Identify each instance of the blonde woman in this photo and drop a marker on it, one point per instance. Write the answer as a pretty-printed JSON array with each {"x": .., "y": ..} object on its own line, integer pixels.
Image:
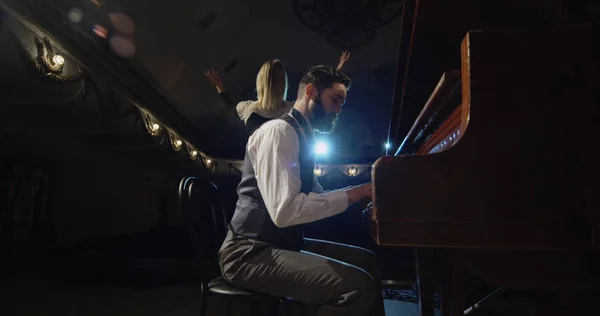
[{"x": 271, "y": 89}]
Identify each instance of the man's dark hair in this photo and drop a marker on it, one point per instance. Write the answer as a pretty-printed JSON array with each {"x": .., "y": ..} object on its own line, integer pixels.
[{"x": 323, "y": 77}]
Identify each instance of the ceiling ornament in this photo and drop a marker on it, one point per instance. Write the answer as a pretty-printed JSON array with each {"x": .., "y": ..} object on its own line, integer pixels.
[{"x": 347, "y": 24}]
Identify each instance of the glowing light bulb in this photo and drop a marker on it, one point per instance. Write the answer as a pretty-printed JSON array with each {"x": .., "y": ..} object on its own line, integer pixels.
[
  {"x": 318, "y": 171},
  {"x": 155, "y": 127},
  {"x": 194, "y": 153},
  {"x": 352, "y": 171},
  {"x": 178, "y": 143},
  {"x": 58, "y": 60}
]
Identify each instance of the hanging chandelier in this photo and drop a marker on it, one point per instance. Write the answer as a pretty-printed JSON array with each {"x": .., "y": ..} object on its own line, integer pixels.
[{"x": 347, "y": 24}]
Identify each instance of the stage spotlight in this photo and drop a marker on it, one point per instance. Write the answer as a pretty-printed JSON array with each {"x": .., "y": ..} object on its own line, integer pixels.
[{"x": 321, "y": 148}]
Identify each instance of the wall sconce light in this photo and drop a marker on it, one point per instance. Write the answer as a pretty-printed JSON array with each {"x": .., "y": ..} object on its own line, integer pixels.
[
  {"x": 153, "y": 128},
  {"x": 318, "y": 171},
  {"x": 193, "y": 153},
  {"x": 50, "y": 62},
  {"x": 352, "y": 171},
  {"x": 58, "y": 60},
  {"x": 209, "y": 163},
  {"x": 53, "y": 64},
  {"x": 177, "y": 144}
]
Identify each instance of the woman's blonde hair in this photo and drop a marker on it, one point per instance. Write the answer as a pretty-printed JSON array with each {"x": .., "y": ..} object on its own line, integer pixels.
[{"x": 271, "y": 84}]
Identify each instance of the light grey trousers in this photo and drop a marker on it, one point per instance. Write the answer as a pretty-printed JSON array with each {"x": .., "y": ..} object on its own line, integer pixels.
[{"x": 339, "y": 279}]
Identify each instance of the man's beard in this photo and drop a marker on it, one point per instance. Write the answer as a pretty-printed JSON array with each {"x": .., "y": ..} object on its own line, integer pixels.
[{"x": 322, "y": 122}]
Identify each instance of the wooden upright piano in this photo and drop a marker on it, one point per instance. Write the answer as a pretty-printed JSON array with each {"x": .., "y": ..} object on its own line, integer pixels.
[{"x": 499, "y": 173}]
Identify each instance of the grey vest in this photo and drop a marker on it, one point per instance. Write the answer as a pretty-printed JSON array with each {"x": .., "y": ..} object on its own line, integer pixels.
[{"x": 251, "y": 218}]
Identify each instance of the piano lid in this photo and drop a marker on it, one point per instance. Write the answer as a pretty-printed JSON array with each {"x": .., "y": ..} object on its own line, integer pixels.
[
  {"x": 443, "y": 101},
  {"x": 430, "y": 39}
]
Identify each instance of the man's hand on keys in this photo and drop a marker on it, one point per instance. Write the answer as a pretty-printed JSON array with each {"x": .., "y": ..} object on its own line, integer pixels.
[{"x": 359, "y": 193}]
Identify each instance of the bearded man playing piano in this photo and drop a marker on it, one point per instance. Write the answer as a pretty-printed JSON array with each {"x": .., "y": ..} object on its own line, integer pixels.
[{"x": 265, "y": 250}]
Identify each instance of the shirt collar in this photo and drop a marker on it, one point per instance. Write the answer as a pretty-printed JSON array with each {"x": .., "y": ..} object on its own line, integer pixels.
[{"x": 302, "y": 120}]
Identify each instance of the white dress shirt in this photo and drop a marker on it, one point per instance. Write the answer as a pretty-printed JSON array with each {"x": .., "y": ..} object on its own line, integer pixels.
[{"x": 273, "y": 150}]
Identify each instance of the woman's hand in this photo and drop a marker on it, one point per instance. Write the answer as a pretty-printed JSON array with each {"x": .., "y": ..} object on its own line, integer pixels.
[
  {"x": 215, "y": 79},
  {"x": 343, "y": 59}
]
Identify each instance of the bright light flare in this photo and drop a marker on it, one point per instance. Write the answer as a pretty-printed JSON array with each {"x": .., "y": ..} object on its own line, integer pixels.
[
  {"x": 100, "y": 30},
  {"x": 321, "y": 148}
]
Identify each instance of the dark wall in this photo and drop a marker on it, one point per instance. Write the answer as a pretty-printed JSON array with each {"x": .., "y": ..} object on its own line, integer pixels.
[
  {"x": 95, "y": 200},
  {"x": 78, "y": 200}
]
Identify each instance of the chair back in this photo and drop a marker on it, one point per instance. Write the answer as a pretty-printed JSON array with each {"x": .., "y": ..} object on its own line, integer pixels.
[{"x": 205, "y": 221}]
